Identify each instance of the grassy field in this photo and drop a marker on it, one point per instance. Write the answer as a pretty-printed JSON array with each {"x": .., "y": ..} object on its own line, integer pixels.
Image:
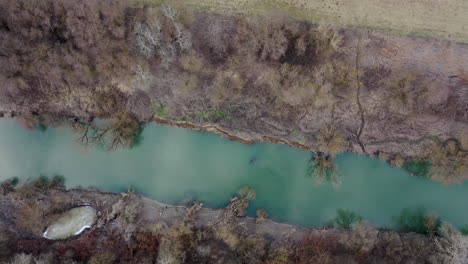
[{"x": 447, "y": 19}]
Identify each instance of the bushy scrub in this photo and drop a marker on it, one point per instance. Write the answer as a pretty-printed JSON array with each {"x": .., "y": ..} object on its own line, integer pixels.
[{"x": 452, "y": 244}]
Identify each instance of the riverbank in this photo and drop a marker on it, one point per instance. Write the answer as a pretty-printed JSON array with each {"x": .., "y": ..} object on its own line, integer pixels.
[
  {"x": 127, "y": 222},
  {"x": 251, "y": 78}
]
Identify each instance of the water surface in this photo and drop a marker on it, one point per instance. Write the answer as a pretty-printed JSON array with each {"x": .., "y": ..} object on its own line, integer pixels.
[{"x": 176, "y": 165}]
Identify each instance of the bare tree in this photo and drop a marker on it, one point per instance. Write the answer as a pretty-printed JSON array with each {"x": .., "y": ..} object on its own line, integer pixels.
[
  {"x": 169, "y": 12},
  {"x": 142, "y": 74},
  {"x": 452, "y": 244},
  {"x": 183, "y": 37},
  {"x": 148, "y": 38},
  {"x": 120, "y": 132}
]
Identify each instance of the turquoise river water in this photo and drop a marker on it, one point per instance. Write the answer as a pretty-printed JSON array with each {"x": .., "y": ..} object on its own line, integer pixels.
[{"x": 176, "y": 165}]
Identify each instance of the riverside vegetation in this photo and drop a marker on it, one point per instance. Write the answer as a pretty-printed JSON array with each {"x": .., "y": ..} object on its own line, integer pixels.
[
  {"x": 131, "y": 229},
  {"x": 270, "y": 78}
]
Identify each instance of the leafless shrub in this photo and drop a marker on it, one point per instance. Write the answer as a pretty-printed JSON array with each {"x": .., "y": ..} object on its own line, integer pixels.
[
  {"x": 261, "y": 216},
  {"x": 167, "y": 53},
  {"x": 70, "y": 46},
  {"x": 226, "y": 233},
  {"x": 295, "y": 88},
  {"x": 132, "y": 210},
  {"x": 183, "y": 37},
  {"x": 188, "y": 84},
  {"x": 463, "y": 140},
  {"x": 392, "y": 245},
  {"x": 322, "y": 87},
  {"x": 448, "y": 165},
  {"x": 275, "y": 45},
  {"x": 316, "y": 248},
  {"x": 459, "y": 97},
  {"x": 103, "y": 258},
  {"x": 226, "y": 85},
  {"x": 142, "y": 74},
  {"x": 362, "y": 238},
  {"x": 452, "y": 245},
  {"x": 148, "y": 38},
  {"x": 214, "y": 37},
  {"x": 169, "y": 12},
  {"x": 330, "y": 140},
  {"x": 176, "y": 241},
  {"x": 397, "y": 161},
  {"x": 406, "y": 93},
  {"x": 44, "y": 259},
  {"x": 327, "y": 39},
  {"x": 279, "y": 256},
  {"x": 22, "y": 258},
  {"x": 251, "y": 248}
]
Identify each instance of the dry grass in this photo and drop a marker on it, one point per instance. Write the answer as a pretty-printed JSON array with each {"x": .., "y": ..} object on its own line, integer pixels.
[
  {"x": 30, "y": 215},
  {"x": 191, "y": 63},
  {"x": 187, "y": 83},
  {"x": 436, "y": 18}
]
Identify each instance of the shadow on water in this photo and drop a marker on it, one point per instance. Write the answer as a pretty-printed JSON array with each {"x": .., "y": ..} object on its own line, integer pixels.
[
  {"x": 419, "y": 168},
  {"x": 138, "y": 139},
  {"x": 417, "y": 220}
]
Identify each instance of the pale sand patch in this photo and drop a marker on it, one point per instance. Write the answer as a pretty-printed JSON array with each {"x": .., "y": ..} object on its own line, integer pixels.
[{"x": 71, "y": 223}]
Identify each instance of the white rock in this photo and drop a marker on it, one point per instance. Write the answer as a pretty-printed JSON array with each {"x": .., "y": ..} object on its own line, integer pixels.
[{"x": 71, "y": 223}]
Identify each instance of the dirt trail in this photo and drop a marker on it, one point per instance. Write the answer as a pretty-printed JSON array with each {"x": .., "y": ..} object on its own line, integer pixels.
[{"x": 358, "y": 94}]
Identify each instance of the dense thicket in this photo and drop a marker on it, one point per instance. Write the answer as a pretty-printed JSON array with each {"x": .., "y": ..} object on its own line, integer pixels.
[{"x": 67, "y": 53}]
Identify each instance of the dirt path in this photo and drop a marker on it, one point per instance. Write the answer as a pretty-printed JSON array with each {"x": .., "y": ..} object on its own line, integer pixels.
[
  {"x": 358, "y": 94},
  {"x": 445, "y": 19}
]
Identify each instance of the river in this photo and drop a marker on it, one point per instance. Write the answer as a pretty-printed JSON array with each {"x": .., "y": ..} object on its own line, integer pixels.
[{"x": 176, "y": 165}]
